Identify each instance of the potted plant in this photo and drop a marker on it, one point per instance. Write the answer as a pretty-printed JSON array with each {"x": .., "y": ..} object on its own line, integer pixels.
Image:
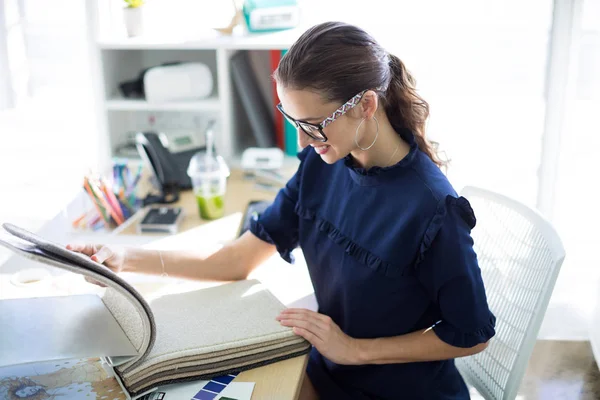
[{"x": 133, "y": 17}]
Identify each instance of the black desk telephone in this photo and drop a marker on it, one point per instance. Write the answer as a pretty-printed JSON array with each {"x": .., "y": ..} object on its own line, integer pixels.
[{"x": 170, "y": 170}]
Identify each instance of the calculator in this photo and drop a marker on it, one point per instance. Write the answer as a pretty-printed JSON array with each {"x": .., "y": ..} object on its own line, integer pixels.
[{"x": 161, "y": 220}]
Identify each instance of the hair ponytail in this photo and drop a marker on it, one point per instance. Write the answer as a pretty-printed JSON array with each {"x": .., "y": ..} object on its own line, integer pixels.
[
  {"x": 406, "y": 109},
  {"x": 340, "y": 60}
]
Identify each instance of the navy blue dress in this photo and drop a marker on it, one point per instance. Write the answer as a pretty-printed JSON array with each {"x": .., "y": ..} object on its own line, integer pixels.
[{"x": 389, "y": 252}]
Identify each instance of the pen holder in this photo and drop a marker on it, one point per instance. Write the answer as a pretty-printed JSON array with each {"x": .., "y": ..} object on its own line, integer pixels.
[{"x": 111, "y": 202}]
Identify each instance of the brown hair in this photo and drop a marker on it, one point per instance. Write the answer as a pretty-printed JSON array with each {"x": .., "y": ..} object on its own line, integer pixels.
[{"x": 340, "y": 60}]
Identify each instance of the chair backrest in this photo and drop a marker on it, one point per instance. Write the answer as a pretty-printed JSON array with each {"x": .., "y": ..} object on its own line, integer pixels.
[{"x": 520, "y": 255}]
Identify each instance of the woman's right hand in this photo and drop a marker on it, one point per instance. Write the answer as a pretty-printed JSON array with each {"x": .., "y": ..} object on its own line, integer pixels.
[{"x": 111, "y": 256}]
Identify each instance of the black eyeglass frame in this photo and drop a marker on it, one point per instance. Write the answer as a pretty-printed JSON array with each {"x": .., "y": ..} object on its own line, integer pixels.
[{"x": 343, "y": 109}]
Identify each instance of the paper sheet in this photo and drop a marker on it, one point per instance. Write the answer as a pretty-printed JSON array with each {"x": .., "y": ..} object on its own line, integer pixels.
[{"x": 237, "y": 391}]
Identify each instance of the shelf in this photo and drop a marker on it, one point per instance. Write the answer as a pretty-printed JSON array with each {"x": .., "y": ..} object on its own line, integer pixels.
[
  {"x": 121, "y": 104},
  {"x": 250, "y": 41}
]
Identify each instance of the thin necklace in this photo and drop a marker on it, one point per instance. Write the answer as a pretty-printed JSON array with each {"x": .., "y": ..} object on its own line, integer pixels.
[{"x": 397, "y": 147}]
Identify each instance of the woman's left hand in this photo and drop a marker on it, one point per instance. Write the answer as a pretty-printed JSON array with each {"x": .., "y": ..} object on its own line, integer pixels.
[{"x": 322, "y": 333}]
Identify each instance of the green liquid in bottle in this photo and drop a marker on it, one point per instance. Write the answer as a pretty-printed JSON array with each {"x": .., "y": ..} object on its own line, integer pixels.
[{"x": 211, "y": 207}]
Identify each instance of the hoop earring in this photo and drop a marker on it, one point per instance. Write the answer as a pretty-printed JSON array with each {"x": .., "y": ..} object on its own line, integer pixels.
[{"x": 374, "y": 140}]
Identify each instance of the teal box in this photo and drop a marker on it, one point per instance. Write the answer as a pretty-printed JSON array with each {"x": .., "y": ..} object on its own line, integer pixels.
[
  {"x": 290, "y": 133},
  {"x": 271, "y": 15}
]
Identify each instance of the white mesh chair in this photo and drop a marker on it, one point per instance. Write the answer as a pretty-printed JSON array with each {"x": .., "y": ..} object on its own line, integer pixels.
[{"x": 520, "y": 255}]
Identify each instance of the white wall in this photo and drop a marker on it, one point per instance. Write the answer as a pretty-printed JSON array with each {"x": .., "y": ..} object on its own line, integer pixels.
[{"x": 47, "y": 140}]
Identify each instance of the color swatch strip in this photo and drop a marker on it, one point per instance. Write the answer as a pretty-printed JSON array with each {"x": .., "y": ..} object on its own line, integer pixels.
[{"x": 214, "y": 387}]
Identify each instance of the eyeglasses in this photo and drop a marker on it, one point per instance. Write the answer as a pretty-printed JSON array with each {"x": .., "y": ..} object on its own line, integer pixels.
[{"x": 315, "y": 131}]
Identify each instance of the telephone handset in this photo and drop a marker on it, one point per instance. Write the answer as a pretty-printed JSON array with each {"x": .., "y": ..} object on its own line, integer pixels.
[
  {"x": 163, "y": 165},
  {"x": 170, "y": 169}
]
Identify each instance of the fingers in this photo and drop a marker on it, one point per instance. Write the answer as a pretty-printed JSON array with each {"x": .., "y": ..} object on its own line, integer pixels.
[
  {"x": 312, "y": 338},
  {"x": 87, "y": 249},
  {"x": 307, "y": 323},
  {"x": 302, "y": 313},
  {"x": 297, "y": 320},
  {"x": 308, "y": 326},
  {"x": 97, "y": 253},
  {"x": 104, "y": 254},
  {"x": 305, "y": 312}
]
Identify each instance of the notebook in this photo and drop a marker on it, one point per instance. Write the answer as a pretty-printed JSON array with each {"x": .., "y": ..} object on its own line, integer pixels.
[{"x": 180, "y": 337}]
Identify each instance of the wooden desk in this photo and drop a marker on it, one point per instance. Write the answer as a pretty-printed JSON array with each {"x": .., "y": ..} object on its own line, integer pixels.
[
  {"x": 278, "y": 381},
  {"x": 239, "y": 193}
]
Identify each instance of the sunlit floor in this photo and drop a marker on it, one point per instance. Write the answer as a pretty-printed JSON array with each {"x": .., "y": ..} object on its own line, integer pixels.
[{"x": 560, "y": 370}]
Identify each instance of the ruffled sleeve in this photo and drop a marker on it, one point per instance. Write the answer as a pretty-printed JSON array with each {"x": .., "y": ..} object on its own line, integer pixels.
[
  {"x": 448, "y": 269},
  {"x": 278, "y": 224}
]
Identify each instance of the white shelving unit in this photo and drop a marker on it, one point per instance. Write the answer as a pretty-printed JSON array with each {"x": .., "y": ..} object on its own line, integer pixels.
[
  {"x": 118, "y": 58},
  {"x": 122, "y": 104},
  {"x": 211, "y": 40}
]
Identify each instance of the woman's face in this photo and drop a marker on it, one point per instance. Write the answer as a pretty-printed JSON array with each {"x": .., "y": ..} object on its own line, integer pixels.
[{"x": 310, "y": 107}]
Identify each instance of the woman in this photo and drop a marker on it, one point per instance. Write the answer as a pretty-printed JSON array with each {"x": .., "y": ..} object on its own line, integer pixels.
[{"x": 386, "y": 239}]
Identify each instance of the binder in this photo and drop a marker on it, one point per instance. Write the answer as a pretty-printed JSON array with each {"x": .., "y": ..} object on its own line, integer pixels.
[
  {"x": 261, "y": 123},
  {"x": 290, "y": 133}
]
